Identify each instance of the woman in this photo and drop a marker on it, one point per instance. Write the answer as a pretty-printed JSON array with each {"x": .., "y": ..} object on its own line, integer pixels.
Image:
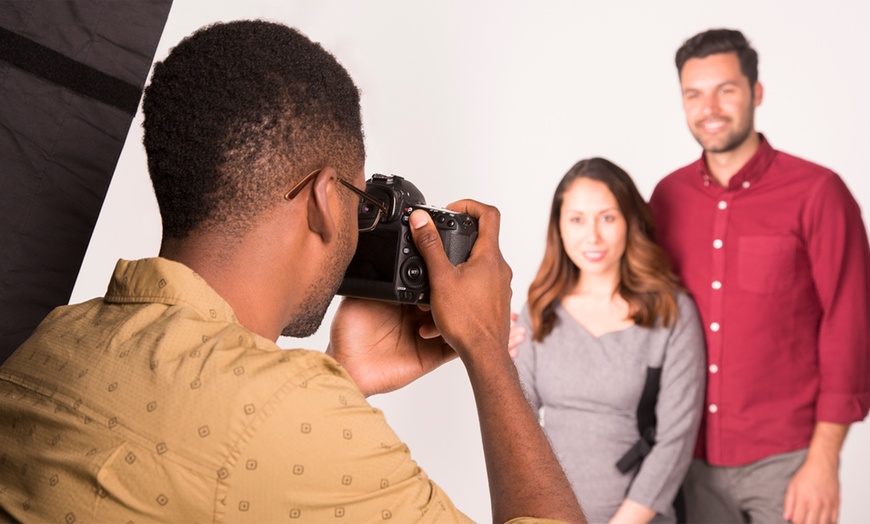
[{"x": 604, "y": 308}]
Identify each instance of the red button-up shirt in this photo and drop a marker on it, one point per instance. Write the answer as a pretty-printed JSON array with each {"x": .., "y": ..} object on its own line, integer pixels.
[{"x": 779, "y": 266}]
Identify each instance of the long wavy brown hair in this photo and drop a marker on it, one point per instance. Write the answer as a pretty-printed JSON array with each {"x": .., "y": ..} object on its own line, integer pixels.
[{"x": 646, "y": 281}]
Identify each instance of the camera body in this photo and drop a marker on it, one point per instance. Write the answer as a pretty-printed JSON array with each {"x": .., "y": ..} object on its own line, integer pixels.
[{"x": 387, "y": 265}]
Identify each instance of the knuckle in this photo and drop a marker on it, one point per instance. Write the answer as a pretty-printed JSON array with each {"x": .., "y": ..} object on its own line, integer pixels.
[{"x": 428, "y": 239}]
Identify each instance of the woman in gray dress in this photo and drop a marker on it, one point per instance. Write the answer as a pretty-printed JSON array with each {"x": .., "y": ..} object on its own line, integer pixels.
[{"x": 604, "y": 308}]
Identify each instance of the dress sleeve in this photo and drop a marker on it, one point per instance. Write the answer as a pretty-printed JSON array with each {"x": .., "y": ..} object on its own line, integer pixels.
[
  {"x": 840, "y": 261},
  {"x": 318, "y": 451},
  {"x": 526, "y": 360},
  {"x": 678, "y": 413}
]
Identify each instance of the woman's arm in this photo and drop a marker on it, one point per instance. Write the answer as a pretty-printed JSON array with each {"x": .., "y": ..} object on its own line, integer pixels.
[{"x": 678, "y": 413}]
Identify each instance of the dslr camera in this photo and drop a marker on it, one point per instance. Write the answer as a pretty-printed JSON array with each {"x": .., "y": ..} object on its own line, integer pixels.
[{"x": 386, "y": 265}]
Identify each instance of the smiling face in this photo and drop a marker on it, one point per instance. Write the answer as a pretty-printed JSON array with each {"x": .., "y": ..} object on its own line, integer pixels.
[
  {"x": 719, "y": 102},
  {"x": 593, "y": 229}
]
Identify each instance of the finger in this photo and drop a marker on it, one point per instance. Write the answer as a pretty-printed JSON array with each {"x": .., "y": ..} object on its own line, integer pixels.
[
  {"x": 800, "y": 512},
  {"x": 428, "y": 331},
  {"x": 788, "y": 504},
  {"x": 822, "y": 515},
  {"x": 516, "y": 336},
  {"x": 428, "y": 242},
  {"x": 488, "y": 220},
  {"x": 514, "y": 317},
  {"x": 825, "y": 513}
]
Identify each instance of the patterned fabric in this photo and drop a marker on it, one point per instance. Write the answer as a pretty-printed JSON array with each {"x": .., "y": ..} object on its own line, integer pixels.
[{"x": 155, "y": 404}]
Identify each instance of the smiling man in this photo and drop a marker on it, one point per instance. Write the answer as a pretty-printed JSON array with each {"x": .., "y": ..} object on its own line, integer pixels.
[{"x": 775, "y": 253}]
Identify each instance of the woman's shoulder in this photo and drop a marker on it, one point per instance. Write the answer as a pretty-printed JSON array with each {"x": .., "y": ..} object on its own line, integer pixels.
[{"x": 686, "y": 305}]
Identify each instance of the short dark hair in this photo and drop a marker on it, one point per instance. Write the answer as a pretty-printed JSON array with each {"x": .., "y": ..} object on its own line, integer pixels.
[
  {"x": 236, "y": 114},
  {"x": 716, "y": 41}
]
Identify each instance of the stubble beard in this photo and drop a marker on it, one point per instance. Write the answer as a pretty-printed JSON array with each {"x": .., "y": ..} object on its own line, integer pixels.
[
  {"x": 734, "y": 139},
  {"x": 320, "y": 294}
]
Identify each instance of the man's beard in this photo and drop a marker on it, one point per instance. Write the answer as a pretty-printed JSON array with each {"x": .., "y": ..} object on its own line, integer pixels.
[
  {"x": 320, "y": 294},
  {"x": 311, "y": 312},
  {"x": 732, "y": 141}
]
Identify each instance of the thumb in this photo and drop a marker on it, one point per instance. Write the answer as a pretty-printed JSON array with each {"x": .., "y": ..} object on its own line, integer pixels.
[
  {"x": 789, "y": 504},
  {"x": 428, "y": 242}
]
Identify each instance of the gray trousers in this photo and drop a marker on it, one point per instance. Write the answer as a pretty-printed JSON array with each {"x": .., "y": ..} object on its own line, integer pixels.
[{"x": 751, "y": 493}]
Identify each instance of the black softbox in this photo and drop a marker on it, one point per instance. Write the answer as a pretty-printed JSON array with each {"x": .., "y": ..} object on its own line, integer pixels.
[{"x": 71, "y": 75}]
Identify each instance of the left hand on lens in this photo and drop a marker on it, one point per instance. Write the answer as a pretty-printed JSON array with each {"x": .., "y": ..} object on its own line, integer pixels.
[{"x": 385, "y": 346}]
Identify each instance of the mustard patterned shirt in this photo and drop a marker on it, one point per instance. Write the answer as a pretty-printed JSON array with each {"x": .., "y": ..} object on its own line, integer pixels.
[{"x": 155, "y": 404}]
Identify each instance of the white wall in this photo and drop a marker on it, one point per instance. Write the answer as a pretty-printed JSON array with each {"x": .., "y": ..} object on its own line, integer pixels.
[{"x": 496, "y": 100}]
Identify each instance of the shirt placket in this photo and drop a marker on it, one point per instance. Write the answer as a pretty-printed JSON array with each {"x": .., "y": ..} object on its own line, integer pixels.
[{"x": 715, "y": 323}]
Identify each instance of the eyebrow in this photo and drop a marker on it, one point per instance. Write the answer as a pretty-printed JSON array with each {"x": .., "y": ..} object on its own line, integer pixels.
[
  {"x": 690, "y": 89},
  {"x": 576, "y": 211}
]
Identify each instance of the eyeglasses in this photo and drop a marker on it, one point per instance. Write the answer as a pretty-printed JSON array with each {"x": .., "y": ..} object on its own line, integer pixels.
[{"x": 370, "y": 208}]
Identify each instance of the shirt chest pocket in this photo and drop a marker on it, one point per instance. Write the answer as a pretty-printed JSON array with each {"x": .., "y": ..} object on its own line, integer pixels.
[{"x": 766, "y": 264}]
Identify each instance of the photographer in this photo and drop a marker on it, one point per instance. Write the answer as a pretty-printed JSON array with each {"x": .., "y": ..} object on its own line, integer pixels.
[{"x": 168, "y": 400}]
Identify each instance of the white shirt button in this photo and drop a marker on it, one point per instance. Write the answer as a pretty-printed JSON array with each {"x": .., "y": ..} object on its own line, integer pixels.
[
  {"x": 712, "y": 408},
  {"x": 714, "y": 368},
  {"x": 723, "y": 204},
  {"x": 716, "y": 284},
  {"x": 714, "y": 326},
  {"x": 717, "y": 243},
  {"x": 745, "y": 184}
]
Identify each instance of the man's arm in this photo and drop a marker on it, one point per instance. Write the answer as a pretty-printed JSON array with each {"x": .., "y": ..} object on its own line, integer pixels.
[
  {"x": 813, "y": 495},
  {"x": 471, "y": 312},
  {"x": 471, "y": 308},
  {"x": 840, "y": 258}
]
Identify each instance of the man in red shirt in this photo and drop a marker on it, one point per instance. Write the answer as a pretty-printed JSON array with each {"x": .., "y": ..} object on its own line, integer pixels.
[{"x": 774, "y": 251}]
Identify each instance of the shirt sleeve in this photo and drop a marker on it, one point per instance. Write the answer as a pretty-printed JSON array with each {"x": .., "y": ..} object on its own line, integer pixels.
[
  {"x": 320, "y": 452},
  {"x": 678, "y": 413},
  {"x": 840, "y": 260},
  {"x": 525, "y": 361}
]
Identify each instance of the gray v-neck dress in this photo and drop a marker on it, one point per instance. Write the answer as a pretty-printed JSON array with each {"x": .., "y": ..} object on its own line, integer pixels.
[{"x": 588, "y": 388}]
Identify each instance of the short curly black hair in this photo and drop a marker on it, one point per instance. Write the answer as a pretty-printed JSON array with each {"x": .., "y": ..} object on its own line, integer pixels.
[
  {"x": 716, "y": 41},
  {"x": 236, "y": 114}
]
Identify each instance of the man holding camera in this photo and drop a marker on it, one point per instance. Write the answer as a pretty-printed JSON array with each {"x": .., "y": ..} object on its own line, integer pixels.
[
  {"x": 774, "y": 252},
  {"x": 168, "y": 400}
]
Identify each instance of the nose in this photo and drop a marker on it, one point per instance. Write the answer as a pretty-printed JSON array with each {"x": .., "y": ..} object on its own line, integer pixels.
[
  {"x": 710, "y": 104},
  {"x": 592, "y": 234}
]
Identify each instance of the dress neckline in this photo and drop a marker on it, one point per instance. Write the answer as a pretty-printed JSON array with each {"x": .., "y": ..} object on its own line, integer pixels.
[{"x": 579, "y": 324}]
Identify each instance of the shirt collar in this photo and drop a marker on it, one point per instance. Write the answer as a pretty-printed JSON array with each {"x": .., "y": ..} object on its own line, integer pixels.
[
  {"x": 750, "y": 173},
  {"x": 167, "y": 282}
]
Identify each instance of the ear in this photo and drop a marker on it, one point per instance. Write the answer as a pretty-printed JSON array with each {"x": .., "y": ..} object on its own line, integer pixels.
[
  {"x": 323, "y": 205},
  {"x": 758, "y": 93}
]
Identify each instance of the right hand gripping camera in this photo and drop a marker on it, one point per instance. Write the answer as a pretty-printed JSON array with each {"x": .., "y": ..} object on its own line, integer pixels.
[{"x": 386, "y": 265}]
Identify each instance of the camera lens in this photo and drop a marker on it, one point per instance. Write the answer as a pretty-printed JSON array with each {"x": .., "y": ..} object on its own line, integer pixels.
[{"x": 413, "y": 273}]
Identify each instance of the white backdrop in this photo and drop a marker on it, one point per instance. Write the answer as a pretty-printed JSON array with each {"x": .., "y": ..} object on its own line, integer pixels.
[{"x": 495, "y": 100}]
